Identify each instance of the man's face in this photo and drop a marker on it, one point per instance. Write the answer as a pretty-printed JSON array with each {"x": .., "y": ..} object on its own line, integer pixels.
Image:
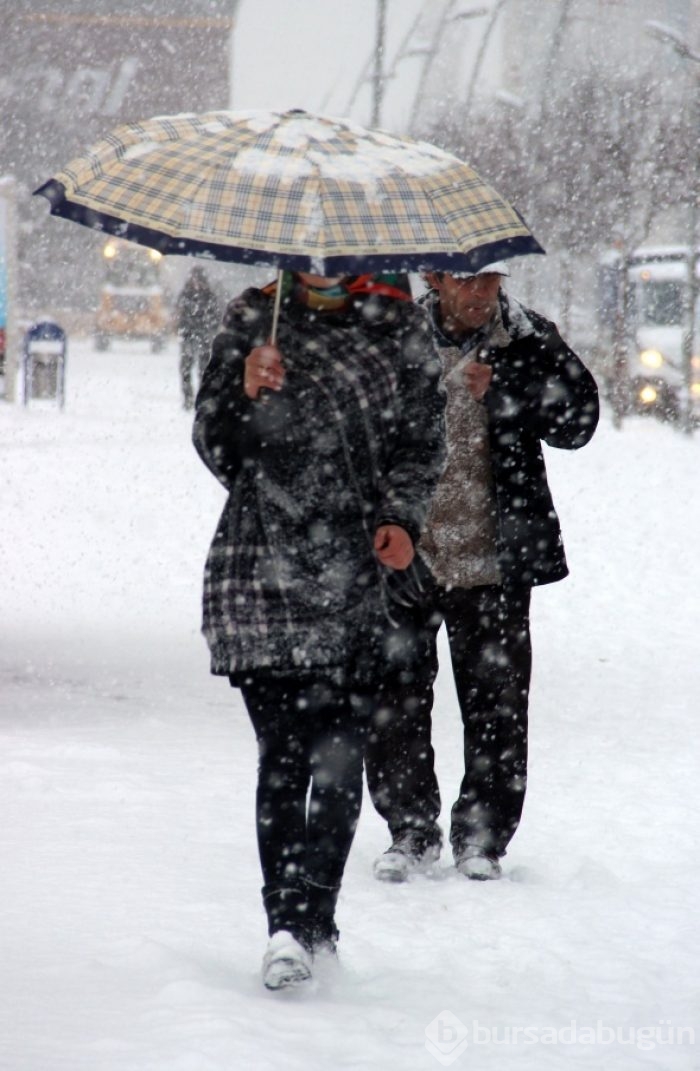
[{"x": 466, "y": 304}]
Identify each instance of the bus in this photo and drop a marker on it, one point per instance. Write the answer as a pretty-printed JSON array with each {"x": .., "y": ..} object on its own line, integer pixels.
[
  {"x": 132, "y": 302},
  {"x": 645, "y": 301}
]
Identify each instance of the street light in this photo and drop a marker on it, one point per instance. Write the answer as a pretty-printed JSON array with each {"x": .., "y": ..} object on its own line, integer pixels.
[
  {"x": 672, "y": 37},
  {"x": 481, "y": 54},
  {"x": 379, "y": 75},
  {"x": 432, "y": 50},
  {"x": 384, "y": 76},
  {"x": 669, "y": 36},
  {"x": 470, "y": 13},
  {"x": 510, "y": 100}
]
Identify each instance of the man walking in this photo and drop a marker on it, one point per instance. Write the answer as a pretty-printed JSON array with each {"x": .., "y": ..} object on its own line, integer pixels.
[
  {"x": 492, "y": 534},
  {"x": 198, "y": 318}
]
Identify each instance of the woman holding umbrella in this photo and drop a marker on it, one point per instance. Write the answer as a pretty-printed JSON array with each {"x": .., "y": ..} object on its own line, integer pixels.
[{"x": 330, "y": 444}]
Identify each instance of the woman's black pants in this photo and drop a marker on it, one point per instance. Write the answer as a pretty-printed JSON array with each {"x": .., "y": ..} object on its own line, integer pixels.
[{"x": 310, "y": 745}]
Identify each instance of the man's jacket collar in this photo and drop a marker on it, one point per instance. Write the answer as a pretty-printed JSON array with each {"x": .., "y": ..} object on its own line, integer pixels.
[{"x": 510, "y": 322}]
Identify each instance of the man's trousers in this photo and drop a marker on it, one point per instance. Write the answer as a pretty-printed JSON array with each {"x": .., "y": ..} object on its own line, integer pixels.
[{"x": 488, "y": 629}]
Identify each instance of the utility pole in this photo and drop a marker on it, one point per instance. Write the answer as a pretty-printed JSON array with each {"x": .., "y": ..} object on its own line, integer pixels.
[
  {"x": 378, "y": 76},
  {"x": 690, "y": 340},
  {"x": 619, "y": 393}
]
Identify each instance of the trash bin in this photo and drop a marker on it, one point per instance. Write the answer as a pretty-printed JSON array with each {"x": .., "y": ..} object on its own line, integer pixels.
[{"x": 44, "y": 362}]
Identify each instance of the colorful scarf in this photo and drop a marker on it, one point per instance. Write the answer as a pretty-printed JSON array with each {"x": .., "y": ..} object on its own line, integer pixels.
[{"x": 340, "y": 298}]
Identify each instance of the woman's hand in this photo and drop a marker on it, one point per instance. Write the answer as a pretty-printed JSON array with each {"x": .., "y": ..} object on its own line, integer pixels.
[
  {"x": 393, "y": 546},
  {"x": 263, "y": 368}
]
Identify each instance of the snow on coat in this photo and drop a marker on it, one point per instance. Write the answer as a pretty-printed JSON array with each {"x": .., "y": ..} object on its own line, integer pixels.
[{"x": 354, "y": 439}]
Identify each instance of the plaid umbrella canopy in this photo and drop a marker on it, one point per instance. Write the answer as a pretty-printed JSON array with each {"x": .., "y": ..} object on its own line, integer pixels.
[{"x": 299, "y": 191}]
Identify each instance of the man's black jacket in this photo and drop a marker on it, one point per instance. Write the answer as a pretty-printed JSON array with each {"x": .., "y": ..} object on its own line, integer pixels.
[{"x": 540, "y": 392}]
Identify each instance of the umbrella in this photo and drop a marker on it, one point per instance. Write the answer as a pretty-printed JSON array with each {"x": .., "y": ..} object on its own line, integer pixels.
[{"x": 300, "y": 191}]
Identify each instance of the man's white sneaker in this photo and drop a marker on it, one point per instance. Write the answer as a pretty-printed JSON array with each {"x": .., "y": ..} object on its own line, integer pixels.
[
  {"x": 477, "y": 864},
  {"x": 405, "y": 857},
  {"x": 286, "y": 962}
]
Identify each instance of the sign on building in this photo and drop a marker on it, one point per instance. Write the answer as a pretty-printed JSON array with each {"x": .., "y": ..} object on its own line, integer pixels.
[{"x": 71, "y": 72}]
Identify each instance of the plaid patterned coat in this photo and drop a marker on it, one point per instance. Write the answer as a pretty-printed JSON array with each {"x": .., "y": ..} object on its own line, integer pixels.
[{"x": 354, "y": 439}]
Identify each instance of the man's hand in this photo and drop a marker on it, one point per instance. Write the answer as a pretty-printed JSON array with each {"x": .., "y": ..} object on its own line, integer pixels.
[
  {"x": 263, "y": 368},
  {"x": 393, "y": 546},
  {"x": 477, "y": 377}
]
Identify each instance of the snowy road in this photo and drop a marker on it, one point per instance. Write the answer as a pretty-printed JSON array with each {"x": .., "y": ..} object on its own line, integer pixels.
[{"x": 130, "y": 926}]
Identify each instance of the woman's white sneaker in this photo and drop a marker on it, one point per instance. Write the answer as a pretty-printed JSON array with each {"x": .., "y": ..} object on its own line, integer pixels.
[{"x": 286, "y": 962}]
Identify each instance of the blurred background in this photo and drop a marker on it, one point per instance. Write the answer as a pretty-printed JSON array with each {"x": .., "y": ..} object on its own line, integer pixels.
[{"x": 584, "y": 113}]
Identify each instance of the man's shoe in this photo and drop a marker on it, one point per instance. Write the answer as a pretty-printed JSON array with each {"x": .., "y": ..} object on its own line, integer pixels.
[
  {"x": 409, "y": 854},
  {"x": 286, "y": 962},
  {"x": 478, "y": 864}
]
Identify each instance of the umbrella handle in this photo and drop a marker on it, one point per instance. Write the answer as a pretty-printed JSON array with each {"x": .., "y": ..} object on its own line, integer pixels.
[
  {"x": 264, "y": 393},
  {"x": 276, "y": 308}
]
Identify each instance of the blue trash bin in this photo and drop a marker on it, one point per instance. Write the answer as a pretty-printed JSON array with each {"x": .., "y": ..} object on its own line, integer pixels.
[{"x": 44, "y": 362}]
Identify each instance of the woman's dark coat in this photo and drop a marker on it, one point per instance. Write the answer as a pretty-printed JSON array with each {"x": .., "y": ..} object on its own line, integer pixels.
[{"x": 354, "y": 439}]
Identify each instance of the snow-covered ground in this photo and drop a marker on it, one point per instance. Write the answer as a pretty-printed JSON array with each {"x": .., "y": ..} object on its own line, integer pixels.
[{"x": 131, "y": 930}]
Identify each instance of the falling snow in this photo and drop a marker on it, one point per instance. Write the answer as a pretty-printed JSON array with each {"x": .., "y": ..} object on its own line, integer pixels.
[{"x": 132, "y": 930}]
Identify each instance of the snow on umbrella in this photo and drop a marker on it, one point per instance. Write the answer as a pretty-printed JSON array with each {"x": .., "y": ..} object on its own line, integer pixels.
[{"x": 300, "y": 191}]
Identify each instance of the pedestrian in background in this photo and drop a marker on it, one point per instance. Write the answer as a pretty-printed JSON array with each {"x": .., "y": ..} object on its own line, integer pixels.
[
  {"x": 198, "y": 318},
  {"x": 492, "y": 534}
]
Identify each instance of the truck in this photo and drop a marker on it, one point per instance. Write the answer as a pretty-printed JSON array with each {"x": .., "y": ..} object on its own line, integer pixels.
[
  {"x": 131, "y": 302},
  {"x": 644, "y": 304}
]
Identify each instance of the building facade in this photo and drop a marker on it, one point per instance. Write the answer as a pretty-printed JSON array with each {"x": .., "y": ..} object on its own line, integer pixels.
[{"x": 72, "y": 72}]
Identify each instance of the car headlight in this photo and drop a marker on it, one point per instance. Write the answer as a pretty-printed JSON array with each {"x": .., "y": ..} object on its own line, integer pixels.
[
  {"x": 695, "y": 390},
  {"x": 651, "y": 358},
  {"x": 648, "y": 395}
]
